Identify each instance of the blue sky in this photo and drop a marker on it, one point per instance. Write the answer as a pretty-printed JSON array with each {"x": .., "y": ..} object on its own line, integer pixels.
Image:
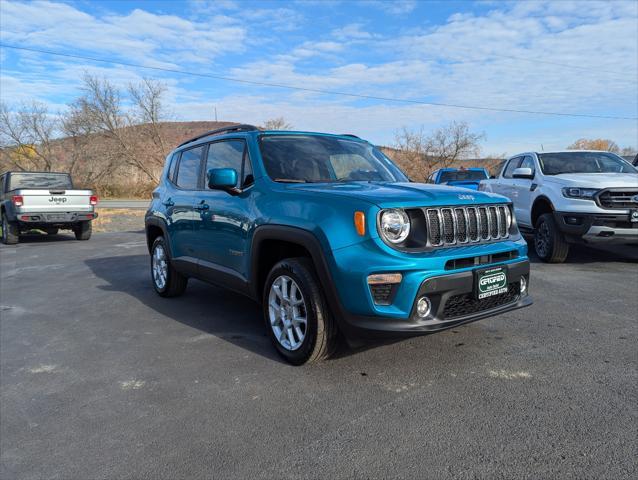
[{"x": 559, "y": 56}]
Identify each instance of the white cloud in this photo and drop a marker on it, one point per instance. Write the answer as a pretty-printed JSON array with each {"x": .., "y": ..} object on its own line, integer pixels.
[
  {"x": 139, "y": 35},
  {"x": 505, "y": 58},
  {"x": 393, "y": 7},
  {"x": 277, "y": 19},
  {"x": 352, "y": 31}
]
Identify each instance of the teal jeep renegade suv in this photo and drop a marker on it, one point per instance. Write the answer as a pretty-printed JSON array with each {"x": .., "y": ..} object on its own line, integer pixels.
[{"x": 330, "y": 237}]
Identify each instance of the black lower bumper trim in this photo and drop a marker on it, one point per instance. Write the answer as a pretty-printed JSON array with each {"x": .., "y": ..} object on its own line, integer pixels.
[
  {"x": 452, "y": 301},
  {"x": 575, "y": 224},
  {"x": 34, "y": 219}
]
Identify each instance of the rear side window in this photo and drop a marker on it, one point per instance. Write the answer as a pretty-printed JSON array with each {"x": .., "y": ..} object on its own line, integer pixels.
[
  {"x": 230, "y": 154},
  {"x": 511, "y": 166},
  {"x": 173, "y": 167},
  {"x": 188, "y": 169}
]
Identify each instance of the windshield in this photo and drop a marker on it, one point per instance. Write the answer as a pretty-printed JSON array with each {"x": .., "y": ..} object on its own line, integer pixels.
[
  {"x": 583, "y": 162},
  {"x": 39, "y": 181},
  {"x": 315, "y": 158},
  {"x": 462, "y": 175}
]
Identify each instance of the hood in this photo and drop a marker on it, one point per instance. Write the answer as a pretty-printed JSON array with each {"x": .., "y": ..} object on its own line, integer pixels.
[
  {"x": 595, "y": 180},
  {"x": 388, "y": 195}
]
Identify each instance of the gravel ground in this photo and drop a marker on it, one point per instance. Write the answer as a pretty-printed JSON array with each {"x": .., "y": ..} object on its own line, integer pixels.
[
  {"x": 119, "y": 220},
  {"x": 101, "y": 378}
]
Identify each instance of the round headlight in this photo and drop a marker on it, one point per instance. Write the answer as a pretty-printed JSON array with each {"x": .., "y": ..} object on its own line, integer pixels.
[
  {"x": 394, "y": 225},
  {"x": 508, "y": 218}
]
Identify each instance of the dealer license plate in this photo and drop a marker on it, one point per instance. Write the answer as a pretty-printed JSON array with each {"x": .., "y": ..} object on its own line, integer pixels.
[{"x": 490, "y": 282}]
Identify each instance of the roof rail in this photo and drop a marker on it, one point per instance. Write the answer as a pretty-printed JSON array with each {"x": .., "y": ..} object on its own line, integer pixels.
[{"x": 219, "y": 131}]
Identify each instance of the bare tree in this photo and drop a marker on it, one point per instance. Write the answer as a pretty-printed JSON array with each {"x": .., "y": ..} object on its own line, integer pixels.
[
  {"x": 420, "y": 153},
  {"x": 278, "y": 123},
  {"x": 90, "y": 158},
  {"x": 27, "y": 138},
  {"x": 149, "y": 112},
  {"x": 595, "y": 144},
  {"x": 134, "y": 135}
]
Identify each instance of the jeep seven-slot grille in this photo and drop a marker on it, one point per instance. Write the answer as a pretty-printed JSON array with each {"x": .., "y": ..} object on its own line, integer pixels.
[
  {"x": 459, "y": 225},
  {"x": 618, "y": 198}
]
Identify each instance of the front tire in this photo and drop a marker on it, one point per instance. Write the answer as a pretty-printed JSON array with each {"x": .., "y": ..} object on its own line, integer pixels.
[
  {"x": 10, "y": 231},
  {"x": 167, "y": 281},
  {"x": 298, "y": 320},
  {"x": 549, "y": 242},
  {"x": 83, "y": 230}
]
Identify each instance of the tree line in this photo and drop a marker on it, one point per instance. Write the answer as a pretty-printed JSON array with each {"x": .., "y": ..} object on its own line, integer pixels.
[{"x": 115, "y": 140}]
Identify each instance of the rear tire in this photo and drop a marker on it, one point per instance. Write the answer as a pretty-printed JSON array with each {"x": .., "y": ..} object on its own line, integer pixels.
[
  {"x": 167, "y": 281},
  {"x": 51, "y": 231},
  {"x": 549, "y": 242},
  {"x": 299, "y": 322},
  {"x": 83, "y": 231},
  {"x": 10, "y": 231}
]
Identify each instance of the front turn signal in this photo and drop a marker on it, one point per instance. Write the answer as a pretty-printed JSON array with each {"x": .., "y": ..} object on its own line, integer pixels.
[{"x": 360, "y": 223}]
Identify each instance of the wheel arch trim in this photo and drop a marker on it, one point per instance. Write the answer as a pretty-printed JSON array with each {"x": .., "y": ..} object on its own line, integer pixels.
[
  {"x": 161, "y": 224},
  {"x": 311, "y": 243},
  {"x": 541, "y": 199}
]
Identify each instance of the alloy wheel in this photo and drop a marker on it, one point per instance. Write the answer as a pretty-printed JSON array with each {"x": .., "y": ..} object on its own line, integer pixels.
[
  {"x": 159, "y": 267},
  {"x": 542, "y": 239},
  {"x": 287, "y": 312}
]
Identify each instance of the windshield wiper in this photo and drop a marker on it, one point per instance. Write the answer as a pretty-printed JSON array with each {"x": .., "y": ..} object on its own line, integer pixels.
[{"x": 290, "y": 180}]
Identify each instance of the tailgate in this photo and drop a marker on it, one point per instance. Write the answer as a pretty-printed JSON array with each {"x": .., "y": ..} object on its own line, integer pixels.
[{"x": 55, "y": 201}]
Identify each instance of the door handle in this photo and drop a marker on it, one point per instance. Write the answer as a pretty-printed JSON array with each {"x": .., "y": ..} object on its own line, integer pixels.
[
  {"x": 168, "y": 203},
  {"x": 202, "y": 207}
]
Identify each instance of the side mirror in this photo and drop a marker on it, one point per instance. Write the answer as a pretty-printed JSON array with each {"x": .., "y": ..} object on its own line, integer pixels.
[
  {"x": 222, "y": 178},
  {"x": 523, "y": 172}
]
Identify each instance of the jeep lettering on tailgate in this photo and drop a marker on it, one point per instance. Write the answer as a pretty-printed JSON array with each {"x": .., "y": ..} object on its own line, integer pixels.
[{"x": 57, "y": 200}]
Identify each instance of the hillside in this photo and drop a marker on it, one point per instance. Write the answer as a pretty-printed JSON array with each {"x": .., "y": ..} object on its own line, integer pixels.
[{"x": 99, "y": 161}]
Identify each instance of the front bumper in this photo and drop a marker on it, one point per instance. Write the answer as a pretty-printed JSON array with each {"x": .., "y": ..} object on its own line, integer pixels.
[
  {"x": 597, "y": 228},
  {"x": 453, "y": 304},
  {"x": 57, "y": 218}
]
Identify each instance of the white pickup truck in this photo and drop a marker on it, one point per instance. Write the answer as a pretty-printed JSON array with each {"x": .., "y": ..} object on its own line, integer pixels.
[
  {"x": 44, "y": 201},
  {"x": 570, "y": 196}
]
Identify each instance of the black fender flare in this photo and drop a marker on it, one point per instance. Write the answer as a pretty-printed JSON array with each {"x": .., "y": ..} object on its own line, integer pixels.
[
  {"x": 161, "y": 224},
  {"x": 9, "y": 211},
  {"x": 310, "y": 242},
  {"x": 541, "y": 198}
]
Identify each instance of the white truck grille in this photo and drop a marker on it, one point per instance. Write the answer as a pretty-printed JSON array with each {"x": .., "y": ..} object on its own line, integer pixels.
[
  {"x": 461, "y": 225},
  {"x": 618, "y": 198}
]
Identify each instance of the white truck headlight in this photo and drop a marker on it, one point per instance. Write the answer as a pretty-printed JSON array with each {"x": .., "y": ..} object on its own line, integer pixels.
[
  {"x": 394, "y": 225},
  {"x": 577, "y": 192}
]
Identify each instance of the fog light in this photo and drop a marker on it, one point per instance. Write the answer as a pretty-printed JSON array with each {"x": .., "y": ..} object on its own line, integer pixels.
[
  {"x": 423, "y": 307},
  {"x": 523, "y": 286}
]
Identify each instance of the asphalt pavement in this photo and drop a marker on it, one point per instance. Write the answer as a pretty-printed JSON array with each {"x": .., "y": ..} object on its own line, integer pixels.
[{"x": 101, "y": 378}]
